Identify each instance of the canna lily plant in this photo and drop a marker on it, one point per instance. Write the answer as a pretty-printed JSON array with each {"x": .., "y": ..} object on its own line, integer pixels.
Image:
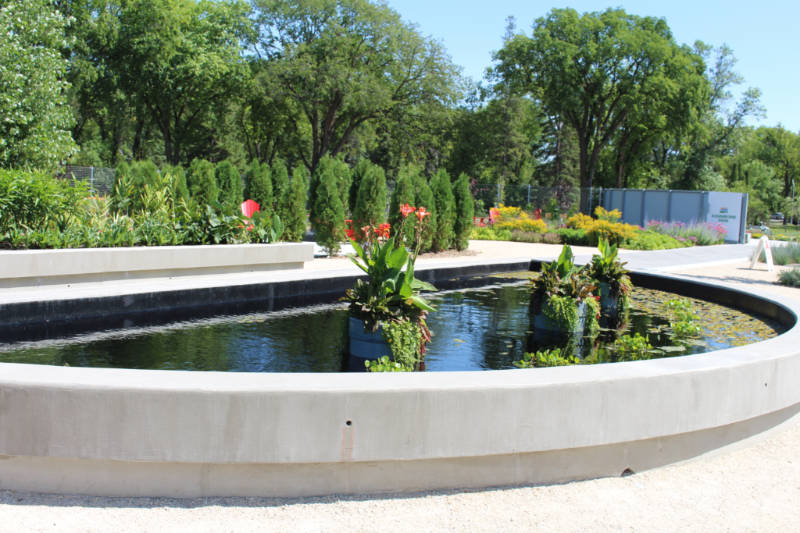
[{"x": 390, "y": 294}]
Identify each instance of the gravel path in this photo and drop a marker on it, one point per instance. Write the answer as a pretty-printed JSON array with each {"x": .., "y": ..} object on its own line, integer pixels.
[{"x": 751, "y": 486}]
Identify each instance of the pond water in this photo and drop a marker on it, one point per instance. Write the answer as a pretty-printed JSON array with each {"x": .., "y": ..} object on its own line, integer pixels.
[{"x": 478, "y": 329}]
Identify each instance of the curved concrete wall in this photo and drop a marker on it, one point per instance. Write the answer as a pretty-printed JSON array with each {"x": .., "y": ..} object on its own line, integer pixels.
[{"x": 128, "y": 432}]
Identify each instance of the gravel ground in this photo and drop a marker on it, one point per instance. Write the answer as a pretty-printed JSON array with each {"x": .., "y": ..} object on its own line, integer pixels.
[{"x": 751, "y": 486}]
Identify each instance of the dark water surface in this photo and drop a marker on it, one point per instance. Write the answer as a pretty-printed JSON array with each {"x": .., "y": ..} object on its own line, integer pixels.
[{"x": 478, "y": 329}]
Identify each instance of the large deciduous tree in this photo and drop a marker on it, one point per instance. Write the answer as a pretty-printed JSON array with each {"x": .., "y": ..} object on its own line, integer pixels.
[
  {"x": 594, "y": 72},
  {"x": 35, "y": 118},
  {"x": 181, "y": 60},
  {"x": 345, "y": 63}
]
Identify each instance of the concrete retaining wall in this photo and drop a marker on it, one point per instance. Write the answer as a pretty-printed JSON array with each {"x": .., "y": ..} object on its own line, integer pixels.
[
  {"x": 172, "y": 433},
  {"x": 40, "y": 267}
]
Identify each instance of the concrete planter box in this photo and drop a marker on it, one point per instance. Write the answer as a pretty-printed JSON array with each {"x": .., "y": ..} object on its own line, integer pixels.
[{"x": 41, "y": 267}]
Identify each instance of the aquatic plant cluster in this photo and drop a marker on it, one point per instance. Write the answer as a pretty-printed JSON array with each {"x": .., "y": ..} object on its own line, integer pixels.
[
  {"x": 514, "y": 224},
  {"x": 388, "y": 300}
]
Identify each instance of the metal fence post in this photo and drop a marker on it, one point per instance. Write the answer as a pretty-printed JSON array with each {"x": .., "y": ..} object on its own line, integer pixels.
[{"x": 91, "y": 179}]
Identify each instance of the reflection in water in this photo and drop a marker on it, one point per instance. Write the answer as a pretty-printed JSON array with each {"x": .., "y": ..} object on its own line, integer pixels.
[{"x": 473, "y": 330}]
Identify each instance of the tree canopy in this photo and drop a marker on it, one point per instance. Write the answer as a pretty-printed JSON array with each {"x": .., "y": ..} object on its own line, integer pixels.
[{"x": 35, "y": 116}]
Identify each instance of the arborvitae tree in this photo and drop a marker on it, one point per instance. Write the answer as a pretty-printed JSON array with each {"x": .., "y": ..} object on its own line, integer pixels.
[
  {"x": 425, "y": 199},
  {"x": 403, "y": 194},
  {"x": 344, "y": 179},
  {"x": 357, "y": 175},
  {"x": 293, "y": 210},
  {"x": 370, "y": 209},
  {"x": 145, "y": 172},
  {"x": 202, "y": 183},
  {"x": 465, "y": 210},
  {"x": 177, "y": 180},
  {"x": 445, "y": 211},
  {"x": 259, "y": 185},
  {"x": 280, "y": 182},
  {"x": 328, "y": 217},
  {"x": 230, "y": 184}
]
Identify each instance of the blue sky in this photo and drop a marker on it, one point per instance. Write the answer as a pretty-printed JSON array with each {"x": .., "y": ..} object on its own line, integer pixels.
[{"x": 764, "y": 36}]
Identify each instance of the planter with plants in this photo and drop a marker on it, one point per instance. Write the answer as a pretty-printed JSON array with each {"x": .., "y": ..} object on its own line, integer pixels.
[
  {"x": 387, "y": 314},
  {"x": 562, "y": 300},
  {"x": 613, "y": 284}
]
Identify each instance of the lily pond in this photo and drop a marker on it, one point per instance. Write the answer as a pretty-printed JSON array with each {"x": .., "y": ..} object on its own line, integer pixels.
[{"x": 476, "y": 329}]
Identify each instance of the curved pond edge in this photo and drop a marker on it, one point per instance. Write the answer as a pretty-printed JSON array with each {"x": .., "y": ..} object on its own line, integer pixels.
[{"x": 188, "y": 434}]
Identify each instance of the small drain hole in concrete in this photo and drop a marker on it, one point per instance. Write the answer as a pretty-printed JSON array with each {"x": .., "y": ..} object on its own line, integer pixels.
[
  {"x": 348, "y": 423},
  {"x": 627, "y": 472}
]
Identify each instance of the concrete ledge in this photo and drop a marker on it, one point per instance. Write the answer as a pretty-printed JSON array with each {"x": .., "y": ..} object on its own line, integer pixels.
[
  {"x": 44, "y": 267},
  {"x": 172, "y": 433}
]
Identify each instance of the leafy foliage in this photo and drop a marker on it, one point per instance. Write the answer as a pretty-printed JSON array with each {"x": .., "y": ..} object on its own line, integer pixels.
[
  {"x": 36, "y": 116},
  {"x": 442, "y": 190},
  {"x": 465, "y": 210},
  {"x": 328, "y": 213},
  {"x": 545, "y": 358}
]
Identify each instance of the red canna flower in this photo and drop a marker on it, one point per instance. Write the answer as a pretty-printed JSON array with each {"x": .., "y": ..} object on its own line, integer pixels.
[
  {"x": 350, "y": 233},
  {"x": 422, "y": 213},
  {"x": 406, "y": 210}
]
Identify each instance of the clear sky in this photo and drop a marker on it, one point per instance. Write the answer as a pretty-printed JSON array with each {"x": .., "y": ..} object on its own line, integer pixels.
[{"x": 764, "y": 36}]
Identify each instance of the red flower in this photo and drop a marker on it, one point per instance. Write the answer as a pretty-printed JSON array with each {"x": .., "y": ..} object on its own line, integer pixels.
[
  {"x": 406, "y": 210},
  {"x": 422, "y": 213},
  {"x": 349, "y": 232},
  {"x": 383, "y": 230}
]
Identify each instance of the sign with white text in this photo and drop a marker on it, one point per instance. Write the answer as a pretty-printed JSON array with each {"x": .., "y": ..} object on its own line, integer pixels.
[{"x": 725, "y": 209}]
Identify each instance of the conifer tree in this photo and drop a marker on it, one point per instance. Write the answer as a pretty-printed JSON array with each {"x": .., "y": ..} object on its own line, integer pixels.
[
  {"x": 293, "y": 211},
  {"x": 357, "y": 175},
  {"x": 230, "y": 184},
  {"x": 280, "y": 182},
  {"x": 425, "y": 199},
  {"x": 370, "y": 209},
  {"x": 445, "y": 211},
  {"x": 202, "y": 183},
  {"x": 259, "y": 185},
  {"x": 344, "y": 179},
  {"x": 465, "y": 210},
  {"x": 328, "y": 218},
  {"x": 403, "y": 194}
]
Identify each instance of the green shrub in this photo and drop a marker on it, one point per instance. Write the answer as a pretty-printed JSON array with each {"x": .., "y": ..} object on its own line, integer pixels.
[
  {"x": 403, "y": 194},
  {"x": 293, "y": 211},
  {"x": 230, "y": 185},
  {"x": 574, "y": 237},
  {"x": 259, "y": 185},
  {"x": 202, "y": 182},
  {"x": 370, "y": 207},
  {"x": 280, "y": 183},
  {"x": 328, "y": 214},
  {"x": 425, "y": 199},
  {"x": 176, "y": 177},
  {"x": 357, "y": 175},
  {"x": 790, "y": 278},
  {"x": 36, "y": 201},
  {"x": 445, "y": 211},
  {"x": 651, "y": 240},
  {"x": 489, "y": 233},
  {"x": 787, "y": 254},
  {"x": 465, "y": 210}
]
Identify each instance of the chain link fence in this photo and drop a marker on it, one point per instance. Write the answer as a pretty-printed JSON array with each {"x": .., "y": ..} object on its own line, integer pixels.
[{"x": 100, "y": 179}]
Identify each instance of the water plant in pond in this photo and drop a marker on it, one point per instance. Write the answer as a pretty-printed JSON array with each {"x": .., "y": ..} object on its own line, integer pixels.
[
  {"x": 388, "y": 301},
  {"x": 562, "y": 299},
  {"x": 613, "y": 283},
  {"x": 545, "y": 358},
  {"x": 632, "y": 347},
  {"x": 682, "y": 317}
]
